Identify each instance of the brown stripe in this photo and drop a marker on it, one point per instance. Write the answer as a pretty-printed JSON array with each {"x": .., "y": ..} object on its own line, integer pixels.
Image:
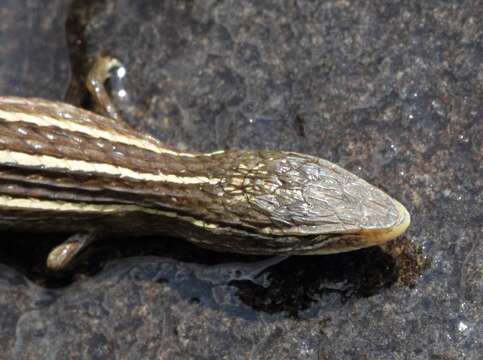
[
  {"x": 21, "y": 189},
  {"x": 68, "y": 113},
  {"x": 56, "y": 142},
  {"x": 44, "y": 112}
]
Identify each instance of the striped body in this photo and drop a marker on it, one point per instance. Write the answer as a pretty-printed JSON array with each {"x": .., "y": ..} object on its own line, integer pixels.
[{"x": 66, "y": 169}]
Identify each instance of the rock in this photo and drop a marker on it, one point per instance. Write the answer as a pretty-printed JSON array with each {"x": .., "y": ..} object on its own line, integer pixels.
[{"x": 391, "y": 91}]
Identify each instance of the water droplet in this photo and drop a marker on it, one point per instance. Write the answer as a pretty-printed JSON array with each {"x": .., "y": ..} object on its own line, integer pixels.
[
  {"x": 462, "y": 326},
  {"x": 122, "y": 93},
  {"x": 121, "y": 72},
  {"x": 463, "y": 139}
]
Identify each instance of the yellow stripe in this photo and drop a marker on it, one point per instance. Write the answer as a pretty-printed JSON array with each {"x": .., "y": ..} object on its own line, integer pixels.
[
  {"x": 147, "y": 143},
  {"x": 43, "y": 120},
  {"x": 36, "y": 204},
  {"x": 49, "y": 162},
  {"x": 80, "y": 207}
]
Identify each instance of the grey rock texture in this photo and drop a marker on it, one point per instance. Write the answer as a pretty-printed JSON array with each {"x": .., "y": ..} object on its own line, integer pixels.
[
  {"x": 392, "y": 91},
  {"x": 33, "y": 57}
]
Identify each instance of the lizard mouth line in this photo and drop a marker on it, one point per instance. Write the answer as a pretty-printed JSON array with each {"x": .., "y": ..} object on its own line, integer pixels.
[{"x": 366, "y": 238}]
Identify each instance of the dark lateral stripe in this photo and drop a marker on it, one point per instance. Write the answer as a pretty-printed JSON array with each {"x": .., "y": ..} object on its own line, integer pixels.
[
  {"x": 69, "y": 187},
  {"x": 61, "y": 188}
]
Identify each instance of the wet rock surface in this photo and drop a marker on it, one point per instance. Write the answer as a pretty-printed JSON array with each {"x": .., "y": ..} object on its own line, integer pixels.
[{"x": 392, "y": 92}]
